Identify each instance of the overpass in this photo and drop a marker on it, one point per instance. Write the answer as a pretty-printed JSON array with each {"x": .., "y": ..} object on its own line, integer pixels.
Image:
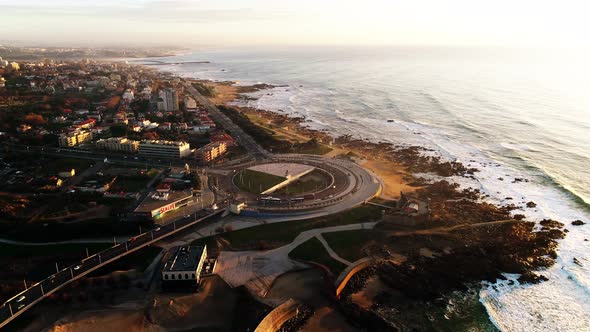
[{"x": 26, "y": 299}]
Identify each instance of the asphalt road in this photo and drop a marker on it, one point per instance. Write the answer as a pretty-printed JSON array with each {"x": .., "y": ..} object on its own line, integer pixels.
[{"x": 235, "y": 131}]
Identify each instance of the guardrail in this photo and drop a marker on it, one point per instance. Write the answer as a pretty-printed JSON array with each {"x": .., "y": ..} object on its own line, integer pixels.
[{"x": 8, "y": 312}]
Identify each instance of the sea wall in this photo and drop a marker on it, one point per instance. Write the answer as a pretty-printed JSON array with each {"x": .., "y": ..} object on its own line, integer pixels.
[
  {"x": 349, "y": 272},
  {"x": 276, "y": 318}
]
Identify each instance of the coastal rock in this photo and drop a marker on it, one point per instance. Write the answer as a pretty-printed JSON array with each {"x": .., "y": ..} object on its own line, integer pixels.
[
  {"x": 531, "y": 204},
  {"x": 578, "y": 223},
  {"x": 549, "y": 223},
  {"x": 532, "y": 278}
]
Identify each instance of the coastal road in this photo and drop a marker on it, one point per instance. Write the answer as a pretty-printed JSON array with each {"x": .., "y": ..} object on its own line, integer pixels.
[
  {"x": 25, "y": 300},
  {"x": 235, "y": 131}
]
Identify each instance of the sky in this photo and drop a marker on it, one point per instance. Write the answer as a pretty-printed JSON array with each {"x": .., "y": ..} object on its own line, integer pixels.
[{"x": 191, "y": 23}]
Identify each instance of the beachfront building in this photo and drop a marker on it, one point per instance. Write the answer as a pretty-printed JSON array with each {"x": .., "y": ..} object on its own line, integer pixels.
[
  {"x": 183, "y": 269},
  {"x": 164, "y": 149},
  {"x": 74, "y": 138},
  {"x": 118, "y": 144},
  {"x": 211, "y": 151}
]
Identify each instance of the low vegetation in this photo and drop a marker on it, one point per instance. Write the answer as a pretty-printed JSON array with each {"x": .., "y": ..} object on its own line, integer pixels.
[
  {"x": 274, "y": 235},
  {"x": 312, "y": 250}
]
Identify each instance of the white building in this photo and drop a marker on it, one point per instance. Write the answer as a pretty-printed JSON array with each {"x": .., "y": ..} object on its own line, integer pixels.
[
  {"x": 127, "y": 96},
  {"x": 118, "y": 144},
  {"x": 164, "y": 149},
  {"x": 183, "y": 269}
]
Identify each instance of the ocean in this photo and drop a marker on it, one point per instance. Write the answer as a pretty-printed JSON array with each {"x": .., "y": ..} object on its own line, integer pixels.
[{"x": 510, "y": 113}]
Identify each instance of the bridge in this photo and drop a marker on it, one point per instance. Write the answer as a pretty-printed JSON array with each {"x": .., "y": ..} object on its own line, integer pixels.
[{"x": 34, "y": 294}]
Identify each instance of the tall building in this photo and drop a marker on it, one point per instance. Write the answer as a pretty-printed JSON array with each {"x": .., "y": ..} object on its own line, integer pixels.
[
  {"x": 168, "y": 100},
  {"x": 164, "y": 149}
]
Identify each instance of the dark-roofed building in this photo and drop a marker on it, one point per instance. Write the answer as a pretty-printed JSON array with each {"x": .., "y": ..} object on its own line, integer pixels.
[{"x": 183, "y": 268}]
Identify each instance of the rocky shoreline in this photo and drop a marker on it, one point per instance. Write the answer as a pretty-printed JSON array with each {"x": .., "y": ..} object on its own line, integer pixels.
[{"x": 470, "y": 240}]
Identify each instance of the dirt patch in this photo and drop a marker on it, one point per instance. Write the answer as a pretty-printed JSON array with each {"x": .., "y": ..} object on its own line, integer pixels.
[
  {"x": 130, "y": 321},
  {"x": 393, "y": 176}
]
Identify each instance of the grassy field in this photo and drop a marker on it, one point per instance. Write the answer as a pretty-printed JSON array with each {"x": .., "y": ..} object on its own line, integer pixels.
[
  {"x": 311, "y": 182},
  {"x": 256, "y": 182},
  {"x": 312, "y": 250},
  {"x": 278, "y": 234},
  {"x": 348, "y": 244}
]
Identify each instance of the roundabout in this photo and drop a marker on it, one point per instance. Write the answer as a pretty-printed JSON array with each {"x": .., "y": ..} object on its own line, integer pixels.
[{"x": 299, "y": 186}]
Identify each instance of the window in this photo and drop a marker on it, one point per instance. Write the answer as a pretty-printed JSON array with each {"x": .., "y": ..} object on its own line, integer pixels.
[
  {"x": 172, "y": 276},
  {"x": 193, "y": 276},
  {"x": 186, "y": 276},
  {"x": 179, "y": 276},
  {"x": 166, "y": 276}
]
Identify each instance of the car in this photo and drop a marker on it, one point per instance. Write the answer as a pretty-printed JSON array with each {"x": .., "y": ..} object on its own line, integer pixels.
[
  {"x": 133, "y": 239},
  {"x": 157, "y": 229},
  {"x": 20, "y": 306},
  {"x": 77, "y": 267},
  {"x": 135, "y": 158},
  {"x": 20, "y": 298}
]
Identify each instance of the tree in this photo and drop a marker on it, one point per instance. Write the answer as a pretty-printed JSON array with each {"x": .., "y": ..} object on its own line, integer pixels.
[
  {"x": 119, "y": 130},
  {"x": 196, "y": 181},
  {"x": 35, "y": 119}
]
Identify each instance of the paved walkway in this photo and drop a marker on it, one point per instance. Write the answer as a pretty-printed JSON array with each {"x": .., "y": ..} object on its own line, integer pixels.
[
  {"x": 257, "y": 270},
  {"x": 331, "y": 252}
]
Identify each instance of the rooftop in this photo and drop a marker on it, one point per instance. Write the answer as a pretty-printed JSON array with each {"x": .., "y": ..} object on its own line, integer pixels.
[
  {"x": 162, "y": 142},
  {"x": 185, "y": 258},
  {"x": 149, "y": 204}
]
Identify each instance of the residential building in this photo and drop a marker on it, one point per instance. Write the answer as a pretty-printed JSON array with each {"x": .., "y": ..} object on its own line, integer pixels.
[
  {"x": 87, "y": 124},
  {"x": 211, "y": 151},
  {"x": 164, "y": 149},
  {"x": 74, "y": 138},
  {"x": 118, "y": 144},
  {"x": 223, "y": 137},
  {"x": 168, "y": 100},
  {"x": 183, "y": 269},
  {"x": 128, "y": 96},
  {"x": 189, "y": 103}
]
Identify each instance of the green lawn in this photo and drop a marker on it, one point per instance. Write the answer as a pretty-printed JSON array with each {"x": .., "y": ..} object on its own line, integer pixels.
[
  {"x": 312, "y": 250},
  {"x": 256, "y": 182},
  {"x": 278, "y": 234},
  {"x": 310, "y": 182},
  {"x": 348, "y": 244}
]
